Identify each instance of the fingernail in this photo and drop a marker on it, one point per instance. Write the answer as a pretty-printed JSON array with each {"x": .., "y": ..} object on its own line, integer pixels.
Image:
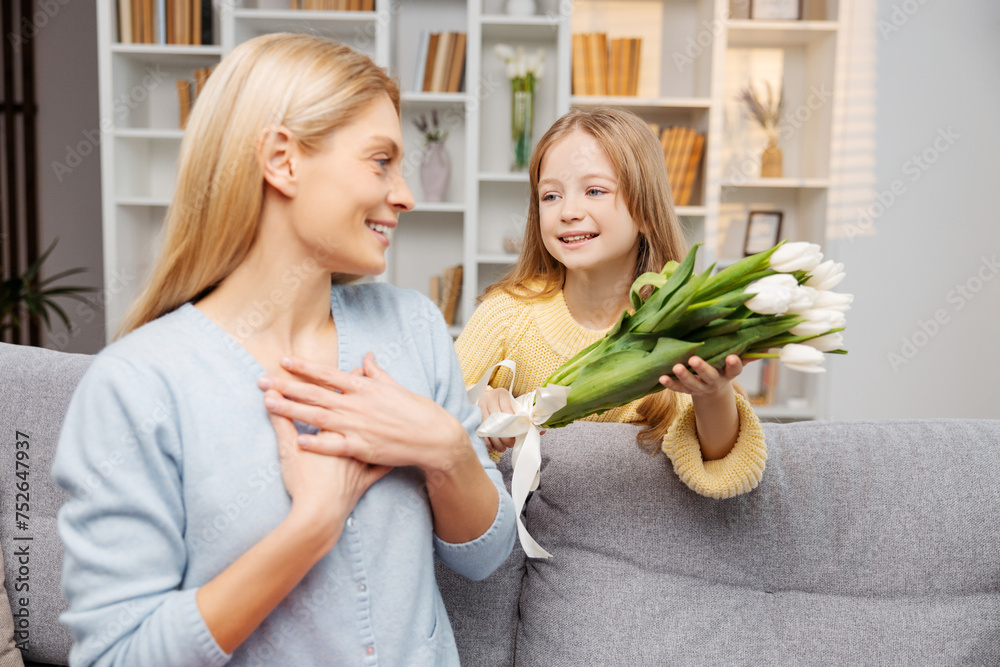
[
  {"x": 286, "y": 362},
  {"x": 304, "y": 440},
  {"x": 270, "y": 403},
  {"x": 265, "y": 383}
]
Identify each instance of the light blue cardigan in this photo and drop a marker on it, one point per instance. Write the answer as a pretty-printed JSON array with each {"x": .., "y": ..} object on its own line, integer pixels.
[{"x": 172, "y": 466}]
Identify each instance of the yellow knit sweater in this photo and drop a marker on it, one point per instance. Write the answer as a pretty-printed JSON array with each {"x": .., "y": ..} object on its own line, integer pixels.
[{"x": 540, "y": 335}]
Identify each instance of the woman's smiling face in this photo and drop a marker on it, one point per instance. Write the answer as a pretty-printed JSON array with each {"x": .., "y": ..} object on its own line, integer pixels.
[{"x": 351, "y": 192}]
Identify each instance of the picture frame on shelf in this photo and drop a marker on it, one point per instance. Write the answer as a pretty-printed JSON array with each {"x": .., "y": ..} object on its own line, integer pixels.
[
  {"x": 776, "y": 10},
  {"x": 763, "y": 231}
]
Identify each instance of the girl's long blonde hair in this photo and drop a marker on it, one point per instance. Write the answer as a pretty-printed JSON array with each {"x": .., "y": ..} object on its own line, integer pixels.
[
  {"x": 637, "y": 157},
  {"x": 304, "y": 83}
]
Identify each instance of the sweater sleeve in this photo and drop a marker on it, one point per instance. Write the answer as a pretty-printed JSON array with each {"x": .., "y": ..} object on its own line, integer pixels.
[
  {"x": 477, "y": 558},
  {"x": 483, "y": 341},
  {"x": 739, "y": 472},
  {"x": 119, "y": 457}
]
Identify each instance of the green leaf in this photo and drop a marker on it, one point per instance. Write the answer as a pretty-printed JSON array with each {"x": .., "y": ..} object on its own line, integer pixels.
[
  {"x": 650, "y": 311},
  {"x": 654, "y": 279},
  {"x": 620, "y": 378}
]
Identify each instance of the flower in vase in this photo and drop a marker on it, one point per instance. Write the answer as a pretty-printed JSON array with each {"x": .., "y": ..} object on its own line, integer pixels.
[
  {"x": 523, "y": 70},
  {"x": 432, "y": 131},
  {"x": 765, "y": 110}
]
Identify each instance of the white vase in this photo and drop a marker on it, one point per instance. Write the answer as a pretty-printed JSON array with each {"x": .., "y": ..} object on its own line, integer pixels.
[
  {"x": 435, "y": 170},
  {"x": 521, "y": 7}
]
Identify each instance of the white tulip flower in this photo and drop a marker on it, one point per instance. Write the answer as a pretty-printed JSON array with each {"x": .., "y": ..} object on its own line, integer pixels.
[
  {"x": 801, "y": 358},
  {"x": 827, "y": 343},
  {"x": 803, "y": 299},
  {"x": 503, "y": 52},
  {"x": 773, "y": 294},
  {"x": 834, "y": 301},
  {"x": 511, "y": 69},
  {"x": 799, "y": 256},
  {"x": 827, "y": 275},
  {"x": 818, "y": 321}
]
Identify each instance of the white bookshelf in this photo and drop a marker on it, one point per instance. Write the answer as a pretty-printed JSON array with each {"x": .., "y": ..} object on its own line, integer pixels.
[{"x": 695, "y": 55}]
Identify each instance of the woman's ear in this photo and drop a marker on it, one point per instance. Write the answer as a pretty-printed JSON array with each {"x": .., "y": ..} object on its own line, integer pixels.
[{"x": 280, "y": 157}]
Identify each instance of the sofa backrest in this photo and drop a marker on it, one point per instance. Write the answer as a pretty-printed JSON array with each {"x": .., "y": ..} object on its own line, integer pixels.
[
  {"x": 35, "y": 388},
  {"x": 865, "y": 543}
]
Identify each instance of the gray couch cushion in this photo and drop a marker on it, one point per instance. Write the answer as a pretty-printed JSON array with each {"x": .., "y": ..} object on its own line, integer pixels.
[
  {"x": 35, "y": 388},
  {"x": 866, "y": 543},
  {"x": 484, "y": 613}
]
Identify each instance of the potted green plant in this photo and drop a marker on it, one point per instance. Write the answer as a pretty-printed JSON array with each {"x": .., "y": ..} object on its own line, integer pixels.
[{"x": 26, "y": 296}]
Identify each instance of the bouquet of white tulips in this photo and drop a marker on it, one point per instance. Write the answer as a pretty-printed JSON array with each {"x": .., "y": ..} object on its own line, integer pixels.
[{"x": 779, "y": 299}]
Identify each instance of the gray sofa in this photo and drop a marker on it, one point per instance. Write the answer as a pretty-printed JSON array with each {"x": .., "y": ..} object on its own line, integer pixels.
[{"x": 867, "y": 543}]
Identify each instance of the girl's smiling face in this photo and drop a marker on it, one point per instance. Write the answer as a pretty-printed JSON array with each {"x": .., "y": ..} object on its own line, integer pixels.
[
  {"x": 351, "y": 192},
  {"x": 585, "y": 225}
]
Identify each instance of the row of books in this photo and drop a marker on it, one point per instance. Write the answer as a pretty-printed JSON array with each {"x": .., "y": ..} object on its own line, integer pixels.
[
  {"x": 683, "y": 148},
  {"x": 334, "y": 5},
  {"x": 602, "y": 70},
  {"x": 440, "y": 62},
  {"x": 188, "y": 91},
  {"x": 445, "y": 291},
  {"x": 165, "y": 21}
]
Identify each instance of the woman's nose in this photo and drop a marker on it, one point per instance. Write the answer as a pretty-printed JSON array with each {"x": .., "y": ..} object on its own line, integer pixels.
[{"x": 400, "y": 197}]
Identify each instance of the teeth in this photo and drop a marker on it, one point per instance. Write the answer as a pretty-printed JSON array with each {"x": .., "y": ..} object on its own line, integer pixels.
[
  {"x": 382, "y": 229},
  {"x": 574, "y": 239}
]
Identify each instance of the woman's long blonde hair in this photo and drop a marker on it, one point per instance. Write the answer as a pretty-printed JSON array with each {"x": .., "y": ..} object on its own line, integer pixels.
[
  {"x": 637, "y": 157},
  {"x": 306, "y": 84}
]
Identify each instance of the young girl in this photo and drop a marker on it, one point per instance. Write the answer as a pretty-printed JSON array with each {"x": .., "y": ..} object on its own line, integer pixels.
[
  {"x": 197, "y": 531},
  {"x": 599, "y": 215}
]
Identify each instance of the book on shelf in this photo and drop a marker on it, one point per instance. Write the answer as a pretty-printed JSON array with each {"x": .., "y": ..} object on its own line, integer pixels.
[
  {"x": 605, "y": 67},
  {"x": 633, "y": 73},
  {"x": 182, "y": 22},
  {"x": 691, "y": 170},
  {"x": 457, "y": 66},
  {"x": 442, "y": 59},
  {"x": 445, "y": 290},
  {"x": 333, "y": 5},
  {"x": 440, "y": 62},
  {"x": 188, "y": 91},
  {"x": 683, "y": 148},
  {"x": 184, "y": 97},
  {"x": 421, "y": 62}
]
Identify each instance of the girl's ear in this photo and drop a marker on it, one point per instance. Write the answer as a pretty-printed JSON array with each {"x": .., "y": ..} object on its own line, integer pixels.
[{"x": 280, "y": 156}]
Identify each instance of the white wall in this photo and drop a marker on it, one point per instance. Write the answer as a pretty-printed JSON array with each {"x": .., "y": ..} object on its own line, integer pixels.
[
  {"x": 70, "y": 201},
  {"x": 924, "y": 330}
]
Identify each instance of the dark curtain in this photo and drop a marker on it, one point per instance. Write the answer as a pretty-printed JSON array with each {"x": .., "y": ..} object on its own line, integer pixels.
[{"x": 19, "y": 157}]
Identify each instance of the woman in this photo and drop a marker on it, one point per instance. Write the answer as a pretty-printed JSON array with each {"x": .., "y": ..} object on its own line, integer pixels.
[{"x": 189, "y": 539}]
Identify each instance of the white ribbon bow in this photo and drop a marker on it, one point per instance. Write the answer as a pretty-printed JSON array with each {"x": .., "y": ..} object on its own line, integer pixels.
[{"x": 530, "y": 411}]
